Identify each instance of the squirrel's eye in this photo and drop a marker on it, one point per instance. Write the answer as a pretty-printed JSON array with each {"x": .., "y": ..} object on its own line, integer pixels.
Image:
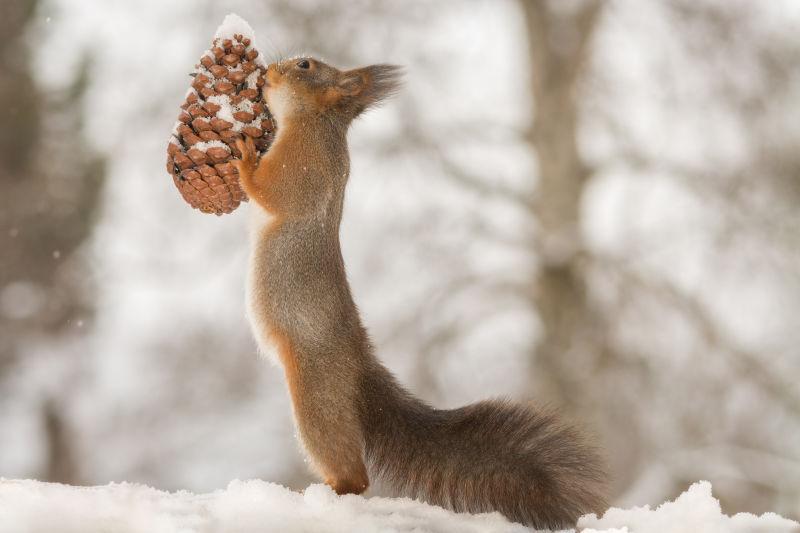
[{"x": 304, "y": 64}]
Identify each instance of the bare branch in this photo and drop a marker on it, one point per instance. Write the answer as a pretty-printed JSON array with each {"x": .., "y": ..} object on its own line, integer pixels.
[{"x": 749, "y": 365}]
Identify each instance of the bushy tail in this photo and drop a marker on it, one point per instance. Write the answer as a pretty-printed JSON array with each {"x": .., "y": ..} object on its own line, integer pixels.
[{"x": 488, "y": 456}]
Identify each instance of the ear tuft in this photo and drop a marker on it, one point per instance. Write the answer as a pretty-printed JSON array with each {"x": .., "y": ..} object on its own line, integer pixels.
[{"x": 376, "y": 83}]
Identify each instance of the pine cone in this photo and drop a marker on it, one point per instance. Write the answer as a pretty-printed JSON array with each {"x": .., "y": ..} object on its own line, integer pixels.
[{"x": 223, "y": 104}]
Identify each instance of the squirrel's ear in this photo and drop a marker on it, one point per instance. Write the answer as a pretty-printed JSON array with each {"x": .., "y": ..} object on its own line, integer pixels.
[
  {"x": 369, "y": 86},
  {"x": 352, "y": 83}
]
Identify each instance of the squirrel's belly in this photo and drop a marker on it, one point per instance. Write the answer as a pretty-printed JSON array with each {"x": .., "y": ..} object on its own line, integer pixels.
[{"x": 260, "y": 222}]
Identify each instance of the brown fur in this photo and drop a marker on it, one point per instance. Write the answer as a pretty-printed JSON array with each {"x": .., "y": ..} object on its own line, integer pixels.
[{"x": 352, "y": 416}]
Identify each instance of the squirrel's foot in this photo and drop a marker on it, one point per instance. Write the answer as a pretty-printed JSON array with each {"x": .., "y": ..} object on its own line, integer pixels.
[
  {"x": 356, "y": 485},
  {"x": 249, "y": 159}
]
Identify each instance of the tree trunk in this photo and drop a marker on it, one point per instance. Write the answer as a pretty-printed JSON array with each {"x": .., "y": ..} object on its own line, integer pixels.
[
  {"x": 574, "y": 363},
  {"x": 50, "y": 182},
  {"x": 557, "y": 48}
]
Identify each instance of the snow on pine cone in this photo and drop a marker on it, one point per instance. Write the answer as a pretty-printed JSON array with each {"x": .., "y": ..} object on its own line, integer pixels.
[{"x": 223, "y": 104}]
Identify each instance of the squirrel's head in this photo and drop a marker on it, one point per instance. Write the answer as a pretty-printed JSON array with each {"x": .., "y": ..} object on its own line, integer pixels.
[{"x": 307, "y": 86}]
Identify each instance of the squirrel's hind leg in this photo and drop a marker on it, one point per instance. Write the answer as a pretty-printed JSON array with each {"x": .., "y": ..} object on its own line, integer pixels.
[
  {"x": 349, "y": 485},
  {"x": 335, "y": 453},
  {"x": 346, "y": 473}
]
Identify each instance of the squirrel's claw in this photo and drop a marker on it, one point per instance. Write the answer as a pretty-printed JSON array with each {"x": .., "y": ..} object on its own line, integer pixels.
[
  {"x": 247, "y": 162},
  {"x": 247, "y": 148}
]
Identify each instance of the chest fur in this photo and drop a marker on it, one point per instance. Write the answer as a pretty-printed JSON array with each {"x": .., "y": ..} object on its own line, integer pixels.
[{"x": 260, "y": 223}]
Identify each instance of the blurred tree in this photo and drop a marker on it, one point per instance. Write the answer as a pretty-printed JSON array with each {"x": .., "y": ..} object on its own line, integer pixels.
[
  {"x": 559, "y": 42},
  {"x": 603, "y": 352},
  {"x": 51, "y": 183},
  {"x": 747, "y": 211},
  {"x": 581, "y": 360}
]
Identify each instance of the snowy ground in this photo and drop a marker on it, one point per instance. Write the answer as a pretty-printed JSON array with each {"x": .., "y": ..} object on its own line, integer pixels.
[{"x": 258, "y": 506}]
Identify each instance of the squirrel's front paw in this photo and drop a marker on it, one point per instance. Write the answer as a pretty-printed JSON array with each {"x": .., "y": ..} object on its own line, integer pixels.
[{"x": 247, "y": 164}]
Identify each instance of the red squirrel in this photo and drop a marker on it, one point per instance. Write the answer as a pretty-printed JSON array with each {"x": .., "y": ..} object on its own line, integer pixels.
[{"x": 355, "y": 420}]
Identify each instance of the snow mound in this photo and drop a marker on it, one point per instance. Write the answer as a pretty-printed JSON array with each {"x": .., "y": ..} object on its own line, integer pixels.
[
  {"x": 696, "y": 510},
  {"x": 244, "y": 507},
  {"x": 261, "y": 507}
]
